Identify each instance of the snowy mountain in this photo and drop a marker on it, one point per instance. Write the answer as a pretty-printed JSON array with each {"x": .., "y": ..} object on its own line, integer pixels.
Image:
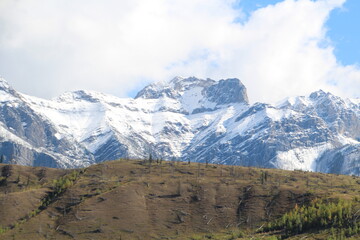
[
  {"x": 187, "y": 119},
  {"x": 28, "y": 138}
]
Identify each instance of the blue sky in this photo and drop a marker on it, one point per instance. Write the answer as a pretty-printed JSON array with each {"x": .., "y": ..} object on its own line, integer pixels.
[
  {"x": 117, "y": 47},
  {"x": 343, "y": 29},
  {"x": 251, "y": 5}
]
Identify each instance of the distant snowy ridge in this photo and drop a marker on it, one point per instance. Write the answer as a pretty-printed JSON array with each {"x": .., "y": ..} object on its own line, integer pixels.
[{"x": 186, "y": 118}]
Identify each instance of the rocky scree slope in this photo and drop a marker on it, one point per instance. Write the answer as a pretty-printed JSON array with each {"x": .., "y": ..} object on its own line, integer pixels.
[{"x": 185, "y": 119}]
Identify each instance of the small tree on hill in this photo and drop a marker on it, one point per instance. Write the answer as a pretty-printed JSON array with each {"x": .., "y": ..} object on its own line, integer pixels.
[
  {"x": 6, "y": 171},
  {"x": 150, "y": 162},
  {"x": 150, "y": 158}
]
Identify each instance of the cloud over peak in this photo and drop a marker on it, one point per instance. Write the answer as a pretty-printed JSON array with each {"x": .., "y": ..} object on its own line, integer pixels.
[{"x": 47, "y": 47}]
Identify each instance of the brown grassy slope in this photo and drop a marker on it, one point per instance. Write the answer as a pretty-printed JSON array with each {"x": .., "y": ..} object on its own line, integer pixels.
[
  {"x": 132, "y": 200},
  {"x": 22, "y": 189}
]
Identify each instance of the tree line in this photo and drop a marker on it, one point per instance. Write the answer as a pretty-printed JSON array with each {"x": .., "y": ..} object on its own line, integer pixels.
[{"x": 340, "y": 216}]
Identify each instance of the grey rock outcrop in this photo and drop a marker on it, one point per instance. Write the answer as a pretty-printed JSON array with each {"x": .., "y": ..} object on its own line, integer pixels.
[{"x": 227, "y": 91}]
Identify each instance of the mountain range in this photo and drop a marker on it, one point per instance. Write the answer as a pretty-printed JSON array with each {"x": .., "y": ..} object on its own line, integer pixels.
[{"x": 187, "y": 119}]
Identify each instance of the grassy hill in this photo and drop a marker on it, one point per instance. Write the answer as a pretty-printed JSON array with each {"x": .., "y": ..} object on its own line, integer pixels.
[{"x": 129, "y": 199}]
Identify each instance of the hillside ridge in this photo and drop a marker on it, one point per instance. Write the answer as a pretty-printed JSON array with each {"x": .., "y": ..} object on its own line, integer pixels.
[{"x": 131, "y": 199}]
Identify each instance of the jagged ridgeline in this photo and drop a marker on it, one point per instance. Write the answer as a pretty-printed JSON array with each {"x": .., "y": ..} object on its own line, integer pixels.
[
  {"x": 130, "y": 199},
  {"x": 187, "y": 119}
]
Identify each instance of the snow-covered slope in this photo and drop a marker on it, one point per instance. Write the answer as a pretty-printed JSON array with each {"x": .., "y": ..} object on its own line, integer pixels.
[
  {"x": 157, "y": 121},
  {"x": 28, "y": 138},
  {"x": 187, "y": 119}
]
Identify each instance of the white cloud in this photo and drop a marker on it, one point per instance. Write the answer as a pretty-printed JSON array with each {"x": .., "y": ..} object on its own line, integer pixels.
[{"x": 47, "y": 47}]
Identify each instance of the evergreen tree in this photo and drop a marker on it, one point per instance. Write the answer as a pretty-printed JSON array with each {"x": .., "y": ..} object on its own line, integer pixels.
[{"x": 150, "y": 158}]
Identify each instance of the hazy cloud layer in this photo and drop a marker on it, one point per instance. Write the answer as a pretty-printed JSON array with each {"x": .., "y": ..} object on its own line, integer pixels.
[{"x": 48, "y": 47}]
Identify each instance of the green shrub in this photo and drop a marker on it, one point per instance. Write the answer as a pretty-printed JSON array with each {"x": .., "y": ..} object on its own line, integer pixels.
[
  {"x": 2, "y": 230},
  {"x": 318, "y": 215}
]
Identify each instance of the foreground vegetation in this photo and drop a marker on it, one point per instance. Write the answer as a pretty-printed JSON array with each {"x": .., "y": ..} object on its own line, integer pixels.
[
  {"x": 341, "y": 216},
  {"x": 155, "y": 199}
]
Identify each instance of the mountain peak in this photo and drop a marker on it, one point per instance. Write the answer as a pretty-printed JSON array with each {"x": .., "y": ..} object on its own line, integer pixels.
[
  {"x": 223, "y": 91},
  {"x": 188, "y": 80},
  {"x": 4, "y": 85},
  {"x": 7, "y": 90},
  {"x": 318, "y": 94},
  {"x": 226, "y": 91},
  {"x": 88, "y": 96},
  {"x": 174, "y": 88},
  {"x": 177, "y": 79}
]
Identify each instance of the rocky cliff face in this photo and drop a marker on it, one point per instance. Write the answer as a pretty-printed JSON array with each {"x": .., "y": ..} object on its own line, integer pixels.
[
  {"x": 187, "y": 119},
  {"x": 28, "y": 138}
]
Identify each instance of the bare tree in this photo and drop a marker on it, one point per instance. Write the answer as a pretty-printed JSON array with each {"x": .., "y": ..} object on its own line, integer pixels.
[{"x": 2, "y": 158}]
